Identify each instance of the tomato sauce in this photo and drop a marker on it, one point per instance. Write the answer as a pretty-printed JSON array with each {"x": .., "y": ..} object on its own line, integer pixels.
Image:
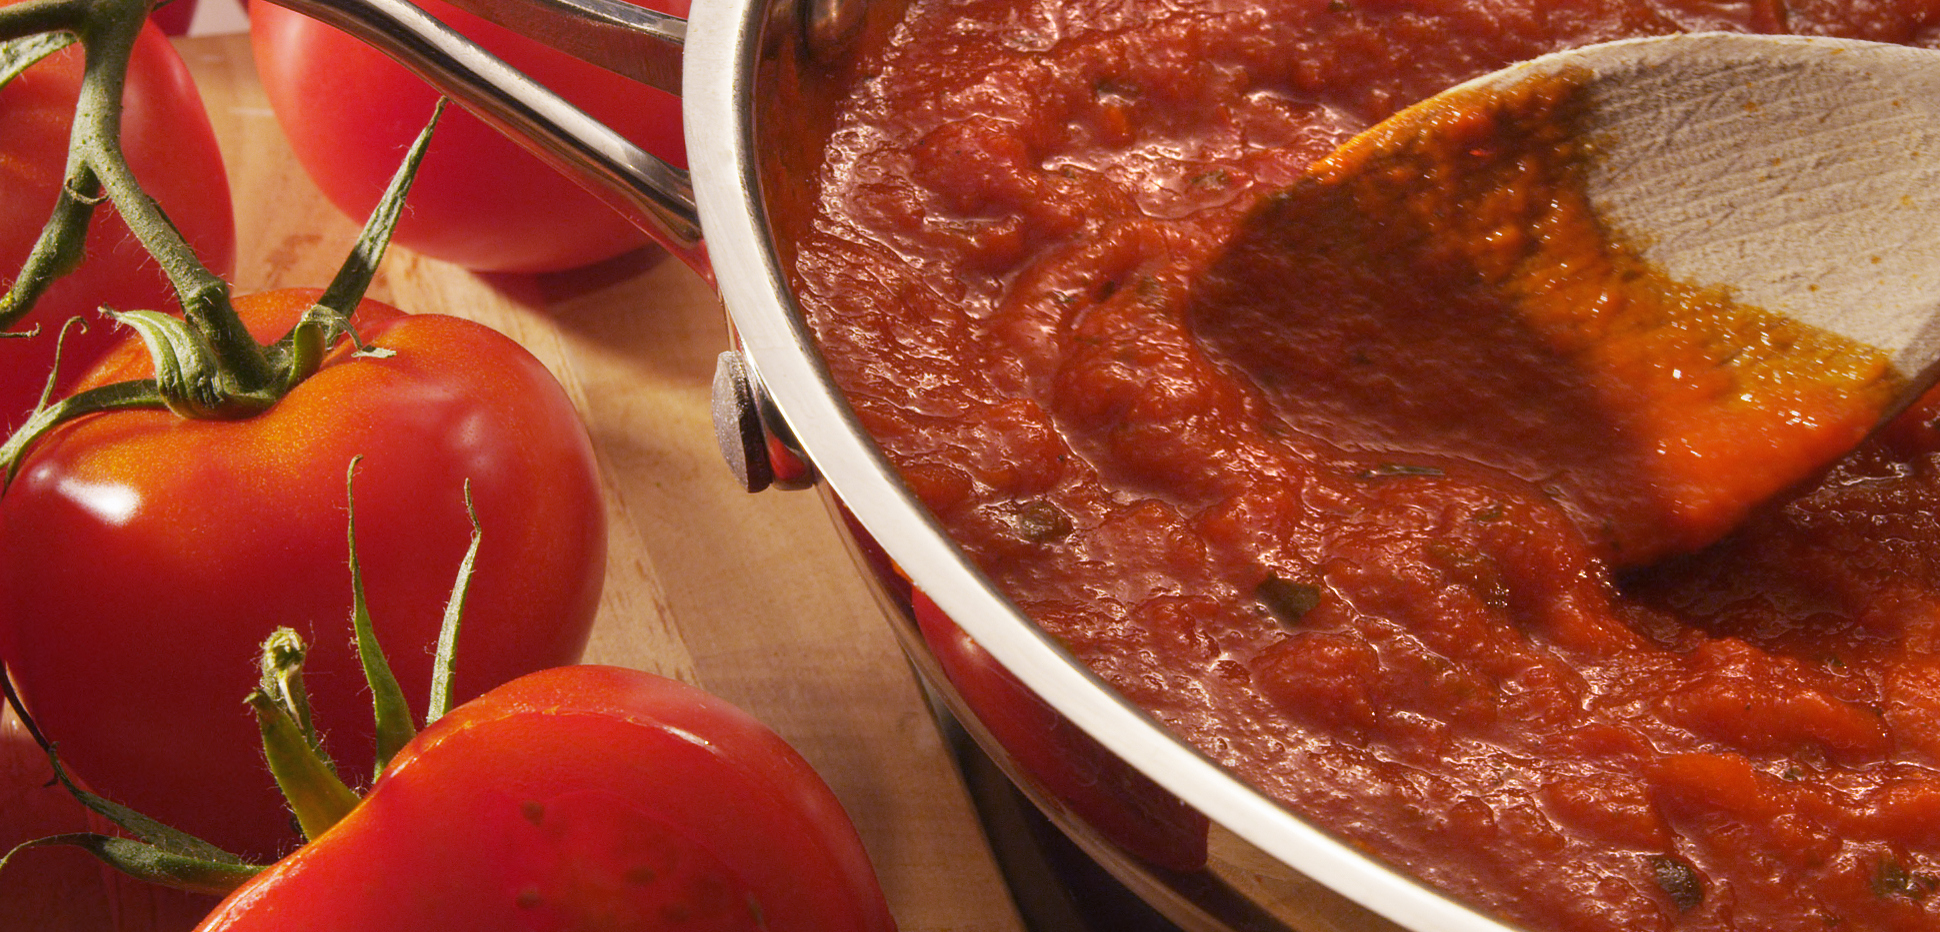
[{"x": 1426, "y": 650}]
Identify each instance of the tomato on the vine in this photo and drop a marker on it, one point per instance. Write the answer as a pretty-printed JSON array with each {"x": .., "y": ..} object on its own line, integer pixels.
[
  {"x": 171, "y": 147},
  {"x": 146, "y": 556},
  {"x": 479, "y": 199},
  {"x": 582, "y": 797}
]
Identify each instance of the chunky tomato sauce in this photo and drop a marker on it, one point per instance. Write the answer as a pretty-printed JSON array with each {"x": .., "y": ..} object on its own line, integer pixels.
[{"x": 1430, "y": 654}]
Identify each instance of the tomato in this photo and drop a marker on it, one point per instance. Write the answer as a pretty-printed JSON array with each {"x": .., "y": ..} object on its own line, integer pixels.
[
  {"x": 66, "y": 889},
  {"x": 175, "y": 16},
  {"x": 172, "y": 150},
  {"x": 147, "y": 556},
  {"x": 583, "y": 797},
  {"x": 479, "y": 200}
]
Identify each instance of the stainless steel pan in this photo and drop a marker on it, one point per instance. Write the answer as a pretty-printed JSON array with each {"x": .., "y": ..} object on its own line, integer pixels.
[{"x": 1267, "y": 869}]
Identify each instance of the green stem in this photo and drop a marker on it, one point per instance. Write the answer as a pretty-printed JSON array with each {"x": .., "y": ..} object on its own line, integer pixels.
[
  {"x": 96, "y": 148},
  {"x": 208, "y": 365},
  {"x": 33, "y": 17},
  {"x": 61, "y": 246},
  {"x": 141, "y": 393}
]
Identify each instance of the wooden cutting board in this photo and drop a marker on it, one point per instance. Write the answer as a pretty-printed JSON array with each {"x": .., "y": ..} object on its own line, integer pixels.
[{"x": 751, "y": 596}]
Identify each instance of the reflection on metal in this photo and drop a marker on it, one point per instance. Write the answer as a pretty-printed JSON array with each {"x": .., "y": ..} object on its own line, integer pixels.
[
  {"x": 621, "y": 37},
  {"x": 645, "y": 189},
  {"x": 828, "y": 25}
]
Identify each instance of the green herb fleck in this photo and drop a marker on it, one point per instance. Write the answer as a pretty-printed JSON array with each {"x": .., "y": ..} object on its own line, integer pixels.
[
  {"x": 1679, "y": 880},
  {"x": 1289, "y": 601},
  {"x": 1892, "y": 878},
  {"x": 1394, "y": 470}
]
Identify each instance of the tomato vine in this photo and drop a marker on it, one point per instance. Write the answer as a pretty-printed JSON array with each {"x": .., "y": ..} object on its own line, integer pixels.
[
  {"x": 318, "y": 798},
  {"x": 207, "y": 364}
]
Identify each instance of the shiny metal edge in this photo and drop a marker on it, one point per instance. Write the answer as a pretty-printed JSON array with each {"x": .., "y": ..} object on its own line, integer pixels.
[{"x": 646, "y": 190}]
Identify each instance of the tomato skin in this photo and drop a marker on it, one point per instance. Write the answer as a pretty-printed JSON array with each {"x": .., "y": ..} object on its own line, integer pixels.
[
  {"x": 172, "y": 150},
  {"x": 479, "y": 200},
  {"x": 175, "y": 16},
  {"x": 501, "y": 816},
  {"x": 147, "y": 557}
]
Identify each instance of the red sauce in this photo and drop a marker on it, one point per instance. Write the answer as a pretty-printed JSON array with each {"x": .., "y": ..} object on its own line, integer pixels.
[{"x": 1432, "y": 657}]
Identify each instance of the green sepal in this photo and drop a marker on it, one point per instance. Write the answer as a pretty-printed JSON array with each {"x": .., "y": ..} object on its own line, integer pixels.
[
  {"x": 208, "y": 365},
  {"x": 300, "y": 351},
  {"x": 309, "y": 782},
  {"x": 353, "y": 278},
  {"x": 188, "y": 372},
  {"x": 316, "y": 796},
  {"x": 445, "y": 661},
  {"x": 392, "y": 713},
  {"x": 282, "y": 658},
  {"x": 151, "y": 863}
]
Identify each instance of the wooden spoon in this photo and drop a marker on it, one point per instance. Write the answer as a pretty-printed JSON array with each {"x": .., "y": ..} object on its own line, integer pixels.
[{"x": 1666, "y": 279}]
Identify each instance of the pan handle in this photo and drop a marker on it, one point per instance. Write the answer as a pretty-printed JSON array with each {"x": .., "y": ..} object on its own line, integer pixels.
[{"x": 632, "y": 40}]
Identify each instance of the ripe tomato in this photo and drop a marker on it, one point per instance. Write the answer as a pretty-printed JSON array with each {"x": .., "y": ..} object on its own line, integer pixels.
[
  {"x": 172, "y": 150},
  {"x": 146, "y": 557},
  {"x": 582, "y": 797},
  {"x": 479, "y": 200},
  {"x": 174, "y": 16}
]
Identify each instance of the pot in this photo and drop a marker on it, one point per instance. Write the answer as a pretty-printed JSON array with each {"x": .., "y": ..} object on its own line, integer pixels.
[{"x": 755, "y": 76}]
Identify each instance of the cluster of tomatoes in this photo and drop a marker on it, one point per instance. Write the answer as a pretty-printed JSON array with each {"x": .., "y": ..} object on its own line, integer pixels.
[{"x": 145, "y": 556}]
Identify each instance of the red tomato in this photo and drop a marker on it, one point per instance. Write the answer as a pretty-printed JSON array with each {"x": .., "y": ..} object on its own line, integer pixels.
[
  {"x": 62, "y": 889},
  {"x": 479, "y": 200},
  {"x": 147, "y": 556},
  {"x": 175, "y": 16},
  {"x": 580, "y": 798},
  {"x": 172, "y": 150}
]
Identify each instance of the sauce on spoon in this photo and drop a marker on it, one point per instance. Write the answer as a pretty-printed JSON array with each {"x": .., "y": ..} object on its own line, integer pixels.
[{"x": 1451, "y": 261}]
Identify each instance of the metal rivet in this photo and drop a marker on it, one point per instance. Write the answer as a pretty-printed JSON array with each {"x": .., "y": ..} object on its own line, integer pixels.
[{"x": 737, "y": 424}]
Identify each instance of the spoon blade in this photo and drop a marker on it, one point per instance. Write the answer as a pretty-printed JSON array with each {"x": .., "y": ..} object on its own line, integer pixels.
[
  {"x": 1484, "y": 278},
  {"x": 1801, "y": 172}
]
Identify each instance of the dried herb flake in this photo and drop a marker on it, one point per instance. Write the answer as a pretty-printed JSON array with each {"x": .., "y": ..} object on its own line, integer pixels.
[
  {"x": 1679, "y": 880},
  {"x": 1039, "y": 521},
  {"x": 1289, "y": 601}
]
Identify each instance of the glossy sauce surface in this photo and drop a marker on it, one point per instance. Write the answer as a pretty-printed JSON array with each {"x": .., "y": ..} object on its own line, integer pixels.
[{"x": 1427, "y": 652}]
